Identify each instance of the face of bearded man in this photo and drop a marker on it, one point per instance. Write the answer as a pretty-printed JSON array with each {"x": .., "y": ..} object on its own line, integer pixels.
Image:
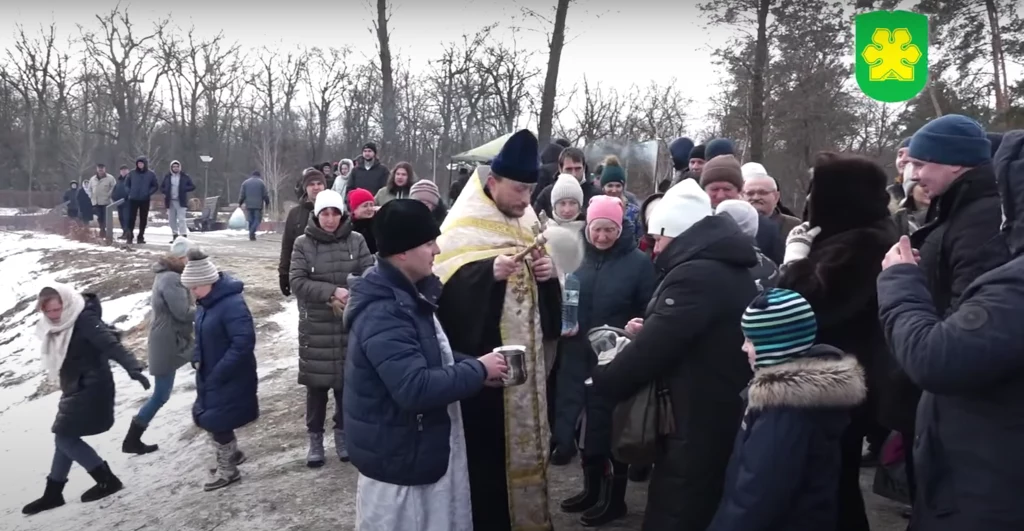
[{"x": 511, "y": 197}]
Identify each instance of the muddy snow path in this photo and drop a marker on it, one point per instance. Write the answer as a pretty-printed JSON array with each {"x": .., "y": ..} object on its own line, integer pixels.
[{"x": 163, "y": 490}]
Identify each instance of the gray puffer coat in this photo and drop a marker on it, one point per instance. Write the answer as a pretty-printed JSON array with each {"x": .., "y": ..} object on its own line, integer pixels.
[
  {"x": 321, "y": 263},
  {"x": 171, "y": 329}
]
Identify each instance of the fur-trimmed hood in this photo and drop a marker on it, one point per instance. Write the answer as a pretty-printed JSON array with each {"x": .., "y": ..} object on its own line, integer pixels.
[{"x": 825, "y": 379}]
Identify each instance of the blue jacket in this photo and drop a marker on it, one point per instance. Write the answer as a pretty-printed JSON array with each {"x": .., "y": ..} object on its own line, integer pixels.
[
  {"x": 970, "y": 366},
  {"x": 141, "y": 184},
  {"x": 225, "y": 359},
  {"x": 85, "y": 211},
  {"x": 184, "y": 187},
  {"x": 254, "y": 193},
  {"x": 785, "y": 463},
  {"x": 397, "y": 389}
]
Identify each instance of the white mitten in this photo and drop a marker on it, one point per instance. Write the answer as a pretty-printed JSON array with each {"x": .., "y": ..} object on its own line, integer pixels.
[{"x": 798, "y": 243}]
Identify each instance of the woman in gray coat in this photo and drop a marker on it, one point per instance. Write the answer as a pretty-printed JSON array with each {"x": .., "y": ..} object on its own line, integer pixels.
[
  {"x": 322, "y": 260},
  {"x": 170, "y": 339}
]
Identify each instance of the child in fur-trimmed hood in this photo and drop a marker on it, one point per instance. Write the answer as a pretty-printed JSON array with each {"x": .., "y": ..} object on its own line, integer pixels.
[{"x": 784, "y": 467}]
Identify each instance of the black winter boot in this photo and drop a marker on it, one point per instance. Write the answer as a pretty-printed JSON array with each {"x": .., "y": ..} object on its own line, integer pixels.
[
  {"x": 53, "y": 497},
  {"x": 133, "y": 441},
  {"x": 612, "y": 505},
  {"x": 640, "y": 473},
  {"x": 106, "y": 484},
  {"x": 593, "y": 474}
]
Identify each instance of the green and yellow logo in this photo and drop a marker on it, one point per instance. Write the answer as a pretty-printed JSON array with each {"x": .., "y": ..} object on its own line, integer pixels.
[{"x": 891, "y": 48}]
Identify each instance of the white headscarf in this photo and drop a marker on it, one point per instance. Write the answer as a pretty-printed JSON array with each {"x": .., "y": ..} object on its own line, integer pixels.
[{"x": 56, "y": 337}]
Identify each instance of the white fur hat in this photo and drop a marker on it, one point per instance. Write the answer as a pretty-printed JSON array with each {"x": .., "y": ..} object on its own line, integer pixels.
[
  {"x": 742, "y": 213},
  {"x": 328, "y": 199},
  {"x": 682, "y": 206},
  {"x": 567, "y": 187}
]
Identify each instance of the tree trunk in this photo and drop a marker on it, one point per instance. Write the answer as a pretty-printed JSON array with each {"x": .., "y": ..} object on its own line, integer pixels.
[
  {"x": 757, "y": 83},
  {"x": 998, "y": 65},
  {"x": 934, "y": 97},
  {"x": 547, "y": 101},
  {"x": 388, "y": 111}
]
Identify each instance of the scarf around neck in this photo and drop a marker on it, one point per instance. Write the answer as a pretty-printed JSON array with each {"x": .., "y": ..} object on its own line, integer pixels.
[{"x": 55, "y": 337}]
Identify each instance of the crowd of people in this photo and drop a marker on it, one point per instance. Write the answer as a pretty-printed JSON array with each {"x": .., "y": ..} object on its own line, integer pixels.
[{"x": 775, "y": 345}]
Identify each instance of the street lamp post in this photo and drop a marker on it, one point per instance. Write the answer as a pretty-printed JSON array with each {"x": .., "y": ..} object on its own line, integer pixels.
[
  {"x": 206, "y": 170},
  {"x": 434, "y": 165}
]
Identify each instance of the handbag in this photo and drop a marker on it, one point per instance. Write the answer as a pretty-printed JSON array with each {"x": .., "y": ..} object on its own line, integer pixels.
[{"x": 639, "y": 422}]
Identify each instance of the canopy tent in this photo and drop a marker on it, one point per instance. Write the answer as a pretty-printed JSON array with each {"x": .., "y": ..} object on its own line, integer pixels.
[{"x": 483, "y": 154}]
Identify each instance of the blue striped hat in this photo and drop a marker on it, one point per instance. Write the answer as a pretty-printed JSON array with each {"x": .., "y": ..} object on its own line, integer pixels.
[{"x": 781, "y": 325}]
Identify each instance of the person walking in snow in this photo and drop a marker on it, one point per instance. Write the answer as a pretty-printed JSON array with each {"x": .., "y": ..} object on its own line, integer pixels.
[
  {"x": 403, "y": 384},
  {"x": 322, "y": 260},
  {"x": 170, "y": 339},
  {"x": 252, "y": 198},
  {"x": 75, "y": 348},
  {"x": 786, "y": 458},
  {"x": 225, "y": 363},
  {"x": 175, "y": 187}
]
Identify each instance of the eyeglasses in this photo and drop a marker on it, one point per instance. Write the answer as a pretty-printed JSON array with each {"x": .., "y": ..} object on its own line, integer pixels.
[{"x": 758, "y": 193}]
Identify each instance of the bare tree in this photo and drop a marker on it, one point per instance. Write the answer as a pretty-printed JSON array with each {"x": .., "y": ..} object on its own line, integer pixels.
[
  {"x": 389, "y": 120},
  {"x": 327, "y": 76},
  {"x": 508, "y": 73},
  {"x": 547, "y": 99},
  {"x": 125, "y": 60}
]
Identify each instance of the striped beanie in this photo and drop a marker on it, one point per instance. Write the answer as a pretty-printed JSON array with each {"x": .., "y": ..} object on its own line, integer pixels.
[
  {"x": 199, "y": 270},
  {"x": 781, "y": 325}
]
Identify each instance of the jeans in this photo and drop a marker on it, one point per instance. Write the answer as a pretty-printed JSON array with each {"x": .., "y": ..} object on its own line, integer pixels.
[
  {"x": 70, "y": 450},
  {"x": 255, "y": 216},
  {"x": 176, "y": 218},
  {"x": 223, "y": 437},
  {"x": 101, "y": 216},
  {"x": 138, "y": 210},
  {"x": 122, "y": 216},
  {"x": 316, "y": 410},
  {"x": 162, "y": 387}
]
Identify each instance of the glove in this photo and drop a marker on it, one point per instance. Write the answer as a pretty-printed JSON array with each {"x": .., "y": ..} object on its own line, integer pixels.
[
  {"x": 141, "y": 378},
  {"x": 285, "y": 287},
  {"x": 798, "y": 243}
]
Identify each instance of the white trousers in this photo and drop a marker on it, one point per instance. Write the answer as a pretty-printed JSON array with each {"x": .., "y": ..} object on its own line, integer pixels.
[{"x": 176, "y": 219}]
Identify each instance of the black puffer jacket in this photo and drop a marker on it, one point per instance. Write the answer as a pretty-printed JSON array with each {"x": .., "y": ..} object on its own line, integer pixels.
[
  {"x": 958, "y": 243},
  {"x": 294, "y": 226},
  {"x": 321, "y": 263},
  {"x": 691, "y": 341},
  {"x": 86, "y": 404}
]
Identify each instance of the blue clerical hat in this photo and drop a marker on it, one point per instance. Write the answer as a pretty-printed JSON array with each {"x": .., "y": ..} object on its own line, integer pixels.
[{"x": 519, "y": 158}]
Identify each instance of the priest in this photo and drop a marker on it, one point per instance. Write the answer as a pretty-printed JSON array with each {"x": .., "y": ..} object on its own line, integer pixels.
[{"x": 489, "y": 300}]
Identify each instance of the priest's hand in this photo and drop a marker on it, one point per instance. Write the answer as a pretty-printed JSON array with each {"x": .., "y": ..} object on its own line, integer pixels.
[
  {"x": 495, "y": 365},
  {"x": 543, "y": 269},
  {"x": 504, "y": 267}
]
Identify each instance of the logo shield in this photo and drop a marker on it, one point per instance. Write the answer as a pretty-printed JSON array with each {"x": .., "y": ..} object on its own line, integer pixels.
[{"x": 891, "y": 48}]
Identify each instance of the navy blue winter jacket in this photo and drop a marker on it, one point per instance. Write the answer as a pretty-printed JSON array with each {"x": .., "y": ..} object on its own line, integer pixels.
[
  {"x": 120, "y": 189},
  {"x": 970, "y": 365},
  {"x": 397, "y": 389},
  {"x": 225, "y": 359},
  {"x": 785, "y": 464},
  {"x": 141, "y": 184},
  {"x": 185, "y": 186}
]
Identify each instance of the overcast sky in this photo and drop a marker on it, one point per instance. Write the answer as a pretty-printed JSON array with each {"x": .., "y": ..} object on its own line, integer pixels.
[{"x": 614, "y": 42}]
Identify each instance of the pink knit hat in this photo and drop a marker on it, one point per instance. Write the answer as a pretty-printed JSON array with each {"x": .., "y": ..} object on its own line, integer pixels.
[{"x": 605, "y": 207}]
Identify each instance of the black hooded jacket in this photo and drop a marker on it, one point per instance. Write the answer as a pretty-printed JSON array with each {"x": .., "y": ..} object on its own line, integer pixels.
[
  {"x": 548, "y": 170},
  {"x": 691, "y": 343},
  {"x": 142, "y": 184}
]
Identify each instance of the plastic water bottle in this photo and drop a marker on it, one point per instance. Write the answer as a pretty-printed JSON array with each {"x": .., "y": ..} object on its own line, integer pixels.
[{"x": 570, "y": 303}]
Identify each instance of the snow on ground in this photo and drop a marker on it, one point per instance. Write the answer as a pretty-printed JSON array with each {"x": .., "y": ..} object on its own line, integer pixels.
[{"x": 165, "y": 230}]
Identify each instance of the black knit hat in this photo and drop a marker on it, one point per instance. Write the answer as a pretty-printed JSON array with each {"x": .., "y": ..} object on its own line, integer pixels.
[
  {"x": 697, "y": 152},
  {"x": 403, "y": 224},
  {"x": 371, "y": 146}
]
